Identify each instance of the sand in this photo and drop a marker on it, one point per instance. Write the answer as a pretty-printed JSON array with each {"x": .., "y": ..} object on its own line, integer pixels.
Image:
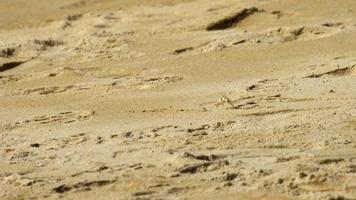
[{"x": 171, "y": 99}]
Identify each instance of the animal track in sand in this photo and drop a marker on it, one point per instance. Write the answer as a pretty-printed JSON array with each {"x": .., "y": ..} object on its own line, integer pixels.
[{"x": 60, "y": 118}]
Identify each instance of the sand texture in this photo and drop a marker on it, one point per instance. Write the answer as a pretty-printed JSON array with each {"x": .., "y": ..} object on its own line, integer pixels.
[{"x": 173, "y": 99}]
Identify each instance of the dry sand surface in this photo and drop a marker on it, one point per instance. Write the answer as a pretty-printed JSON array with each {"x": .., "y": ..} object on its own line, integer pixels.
[{"x": 172, "y": 99}]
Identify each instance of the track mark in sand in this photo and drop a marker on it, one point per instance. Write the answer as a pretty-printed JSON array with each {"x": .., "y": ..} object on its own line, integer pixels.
[
  {"x": 293, "y": 34},
  {"x": 145, "y": 82},
  {"x": 337, "y": 72},
  {"x": 45, "y": 44},
  {"x": 45, "y": 90},
  {"x": 257, "y": 101},
  {"x": 22, "y": 181},
  {"x": 162, "y": 127},
  {"x": 238, "y": 42},
  {"x": 214, "y": 45},
  {"x": 99, "y": 169},
  {"x": 272, "y": 112},
  {"x": 82, "y": 186},
  {"x": 60, "y": 118},
  {"x": 290, "y": 34},
  {"x": 202, "y": 167},
  {"x": 168, "y": 110},
  {"x": 69, "y": 20},
  {"x": 271, "y": 97},
  {"x": 143, "y": 193},
  {"x": 188, "y": 163},
  {"x": 205, "y": 47},
  {"x": 74, "y": 17},
  {"x": 108, "y": 45},
  {"x": 49, "y": 90},
  {"x": 272, "y": 36},
  {"x": 211, "y": 157},
  {"x": 271, "y": 85},
  {"x": 287, "y": 159},
  {"x": 333, "y": 24},
  {"x": 351, "y": 169},
  {"x": 278, "y": 13},
  {"x": 163, "y": 131},
  {"x": 7, "y": 52},
  {"x": 27, "y": 50},
  {"x": 10, "y": 65},
  {"x": 9, "y": 79},
  {"x": 60, "y": 143},
  {"x": 219, "y": 126},
  {"x": 201, "y": 128},
  {"x": 63, "y": 117},
  {"x": 183, "y": 50},
  {"x": 330, "y": 161},
  {"x": 233, "y": 20}
]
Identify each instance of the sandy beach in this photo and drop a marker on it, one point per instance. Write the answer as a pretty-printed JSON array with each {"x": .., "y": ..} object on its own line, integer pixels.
[{"x": 178, "y": 99}]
